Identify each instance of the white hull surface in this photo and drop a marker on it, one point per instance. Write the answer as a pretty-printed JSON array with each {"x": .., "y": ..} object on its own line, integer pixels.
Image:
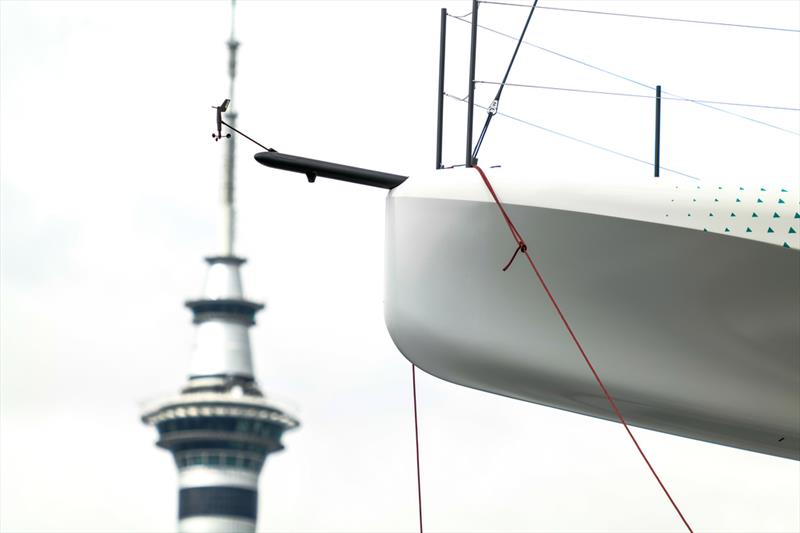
[{"x": 685, "y": 298}]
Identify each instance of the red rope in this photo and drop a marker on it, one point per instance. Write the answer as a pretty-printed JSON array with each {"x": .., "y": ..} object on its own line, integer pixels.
[
  {"x": 416, "y": 435},
  {"x": 523, "y": 248}
]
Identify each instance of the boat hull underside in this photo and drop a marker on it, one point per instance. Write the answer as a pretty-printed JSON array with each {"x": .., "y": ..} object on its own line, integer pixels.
[{"x": 694, "y": 334}]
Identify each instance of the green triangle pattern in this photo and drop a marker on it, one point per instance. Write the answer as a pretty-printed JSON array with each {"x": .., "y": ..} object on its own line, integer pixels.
[
  {"x": 754, "y": 216},
  {"x": 786, "y": 245},
  {"x": 716, "y": 199},
  {"x": 770, "y": 230},
  {"x": 749, "y": 230},
  {"x": 741, "y": 188},
  {"x": 727, "y": 230},
  {"x": 737, "y": 200},
  {"x": 733, "y": 214},
  {"x": 775, "y": 215},
  {"x": 711, "y": 214},
  {"x": 763, "y": 189},
  {"x": 797, "y": 215},
  {"x": 760, "y": 201},
  {"x": 791, "y": 230},
  {"x": 780, "y": 201}
]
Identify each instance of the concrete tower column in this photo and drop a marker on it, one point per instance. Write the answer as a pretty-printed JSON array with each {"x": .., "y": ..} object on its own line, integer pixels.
[{"x": 220, "y": 428}]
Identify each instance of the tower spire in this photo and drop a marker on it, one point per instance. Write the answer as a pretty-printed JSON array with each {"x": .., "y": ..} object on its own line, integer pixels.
[
  {"x": 228, "y": 222},
  {"x": 220, "y": 427}
]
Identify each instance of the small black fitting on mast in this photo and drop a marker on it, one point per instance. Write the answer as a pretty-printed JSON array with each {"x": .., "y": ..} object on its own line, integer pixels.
[{"x": 220, "y": 110}]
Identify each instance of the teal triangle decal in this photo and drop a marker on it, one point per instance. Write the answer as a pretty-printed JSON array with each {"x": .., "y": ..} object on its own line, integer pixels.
[
  {"x": 770, "y": 230},
  {"x": 716, "y": 199},
  {"x": 733, "y": 214},
  {"x": 760, "y": 201},
  {"x": 754, "y": 216},
  {"x": 763, "y": 189},
  {"x": 738, "y": 200},
  {"x": 780, "y": 201},
  {"x": 797, "y": 215},
  {"x": 741, "y": 188},
  {"x": 727, "y": 230},
  {"x": 786, "y": 245},
  {"x": 776, "y": 215},
  {"x": 791, "y": 230},
  {"x": 784, "y": 190},
  {"x": 711, "y": 214},
  {"x": 749, "y": 230}
]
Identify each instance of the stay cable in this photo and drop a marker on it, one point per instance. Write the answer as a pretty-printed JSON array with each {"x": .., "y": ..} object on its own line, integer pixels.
[{"x": 416, "y": 437}]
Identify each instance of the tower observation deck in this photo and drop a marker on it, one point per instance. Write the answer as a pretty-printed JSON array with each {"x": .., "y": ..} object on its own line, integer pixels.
[{"x": 220, "y": 427}]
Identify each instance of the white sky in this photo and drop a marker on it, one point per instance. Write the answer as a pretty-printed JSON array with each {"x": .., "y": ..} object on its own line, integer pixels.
[{"x": 109, "y": 188}]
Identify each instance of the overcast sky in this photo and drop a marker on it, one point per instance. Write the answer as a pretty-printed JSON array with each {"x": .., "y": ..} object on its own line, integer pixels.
[{"x": 110, "y": 182}]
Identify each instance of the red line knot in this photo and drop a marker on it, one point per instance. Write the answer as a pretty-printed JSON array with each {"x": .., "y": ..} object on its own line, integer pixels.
[{"x": 521, "y": 247}]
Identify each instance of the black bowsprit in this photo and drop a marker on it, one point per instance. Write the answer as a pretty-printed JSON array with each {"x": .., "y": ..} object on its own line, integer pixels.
[{"x": 324, "y": 169}]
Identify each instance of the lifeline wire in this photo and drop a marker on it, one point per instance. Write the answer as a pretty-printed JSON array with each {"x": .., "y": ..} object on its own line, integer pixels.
[
  {"x": 496, "y": 101},
  {"x": 576, "y": 139},
  {"x": 609, "y": 93},
  {"x": 416, "y": 436},
  {"x": 620, "y": 76},
  {"x": 650, "y": 17},
  {"x": 522, "y": 247}
]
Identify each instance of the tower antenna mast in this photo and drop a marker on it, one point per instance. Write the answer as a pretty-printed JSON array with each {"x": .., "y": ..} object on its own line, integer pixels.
[
  {"x": 220, "y": 427},
  {"x": 228, "y": 223}
]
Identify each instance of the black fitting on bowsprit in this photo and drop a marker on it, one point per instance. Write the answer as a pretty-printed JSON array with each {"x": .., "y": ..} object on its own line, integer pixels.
[{"x": 313, "y": 168}]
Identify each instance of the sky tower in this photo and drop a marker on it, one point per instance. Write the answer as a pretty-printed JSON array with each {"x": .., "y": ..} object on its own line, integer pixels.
[{"x": 220, "y": 428}]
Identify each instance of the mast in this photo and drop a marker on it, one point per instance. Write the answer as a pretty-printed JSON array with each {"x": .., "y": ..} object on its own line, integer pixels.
[{"x": 228, "y": 211}]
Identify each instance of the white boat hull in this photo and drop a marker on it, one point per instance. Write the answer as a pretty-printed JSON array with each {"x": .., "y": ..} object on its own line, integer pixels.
[{"x": 695, "y": 333}]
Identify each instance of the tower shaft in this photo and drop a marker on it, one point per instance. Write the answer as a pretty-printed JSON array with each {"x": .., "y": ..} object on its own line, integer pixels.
[{"x": 220, "y": 428}]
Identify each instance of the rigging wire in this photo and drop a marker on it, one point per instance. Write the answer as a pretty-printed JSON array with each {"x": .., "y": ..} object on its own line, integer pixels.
[
  {"x": 416, "y": 437},
  {"x": 609, "y": 93},
  {"x": 650, "y": 17},
  {"x": 248, "y": 137},
  {"x": 493, "y": 108},
  {"x": 522, "y": 247},
  {"x": 625, "y": 78},
  {"x": 576, "y": 139}
]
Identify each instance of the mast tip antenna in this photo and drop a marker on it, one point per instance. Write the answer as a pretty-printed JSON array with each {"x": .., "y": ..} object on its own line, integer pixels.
[{"x": 220, "y": 110}]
